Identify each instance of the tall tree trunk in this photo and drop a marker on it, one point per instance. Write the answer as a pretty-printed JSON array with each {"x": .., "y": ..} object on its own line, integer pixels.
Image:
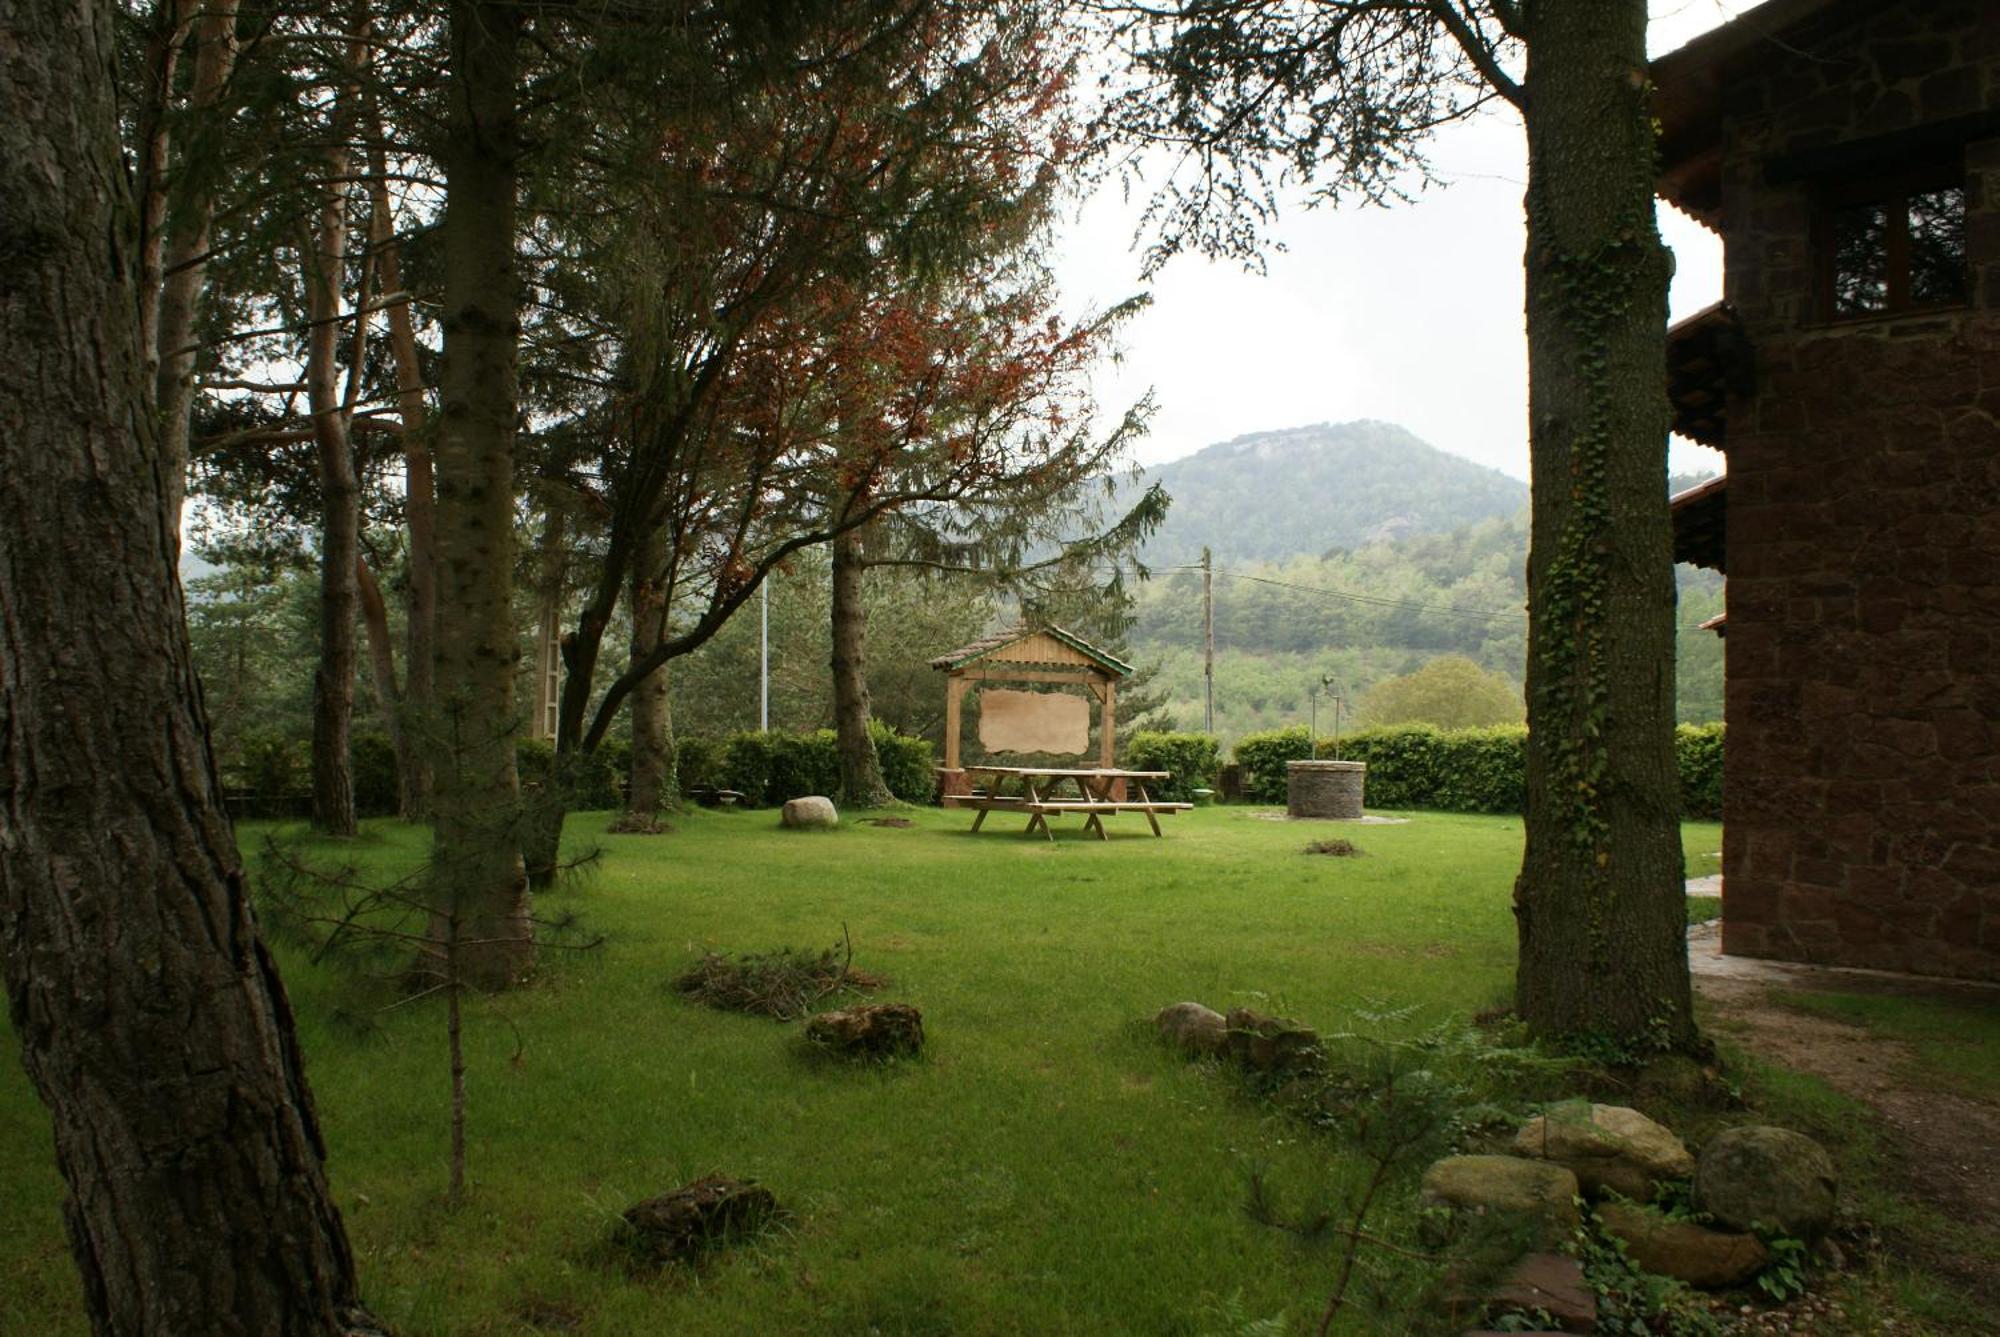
[
  {"x": 151, "y": 1017},
  {"x": 418, "y": 700},
  {"x": 476, "y": 841},
  {"x": 190, "y": 230},
  {"x": 382, "y": 665},
  {"x": 339, "y": 498},
  {"x": 1600, "y": 902},
  {"x": 861, "y": 783},
  {"x": 655, "y": 782},
  {"x": 166, "y": 34}
]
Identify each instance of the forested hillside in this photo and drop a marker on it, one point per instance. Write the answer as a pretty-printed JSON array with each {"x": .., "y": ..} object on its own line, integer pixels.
[
  {"x": 1361, "y": 616},
  {"x": 1273, "y": 495}
]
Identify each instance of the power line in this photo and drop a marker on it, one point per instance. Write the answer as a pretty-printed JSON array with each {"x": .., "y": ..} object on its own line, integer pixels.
[{"x": 1376, "y": 600}]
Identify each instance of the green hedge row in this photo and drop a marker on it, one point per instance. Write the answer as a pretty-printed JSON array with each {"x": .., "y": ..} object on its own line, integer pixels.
[
  {"x": 769, "y": 768},
  {"x": 599, "y": 783},
  {"x": 1195, "y": 759},
  {"x": 1458, "y": 770}
]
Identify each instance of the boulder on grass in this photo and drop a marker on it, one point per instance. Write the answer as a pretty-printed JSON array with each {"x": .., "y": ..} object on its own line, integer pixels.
[
  {"x": 869, "y": 1030},
  {"x": 1683, "y": 1250},
  {"x": 1271, "y": 1044},
  {"x": 1535, "y": 1200},
  {"x": 1607, "y": 1147},
  {"x": 1192, "y": 1028},
  {"x": 813, "y": 812},
  {"x": 713, "y": 1210},
  {"x": 1769, "y": 1177}
]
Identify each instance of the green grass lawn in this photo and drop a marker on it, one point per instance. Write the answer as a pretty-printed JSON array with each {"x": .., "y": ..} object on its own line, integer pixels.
[{"x": 1045, "y": 1168}]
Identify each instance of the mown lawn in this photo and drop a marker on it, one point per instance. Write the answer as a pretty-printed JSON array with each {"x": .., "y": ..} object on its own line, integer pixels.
[{"x": 1045, "y": 1168}]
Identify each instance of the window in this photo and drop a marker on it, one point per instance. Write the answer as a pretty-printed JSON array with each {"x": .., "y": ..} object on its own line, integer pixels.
[{"x": 1894, "y": 247}]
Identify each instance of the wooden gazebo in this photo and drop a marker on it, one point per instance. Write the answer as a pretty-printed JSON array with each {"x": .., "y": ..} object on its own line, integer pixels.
[{"x": 1028, "y": 721}]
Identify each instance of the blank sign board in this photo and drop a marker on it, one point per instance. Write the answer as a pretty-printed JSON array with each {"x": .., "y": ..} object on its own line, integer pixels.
[{"x": 1033, "y": 722}]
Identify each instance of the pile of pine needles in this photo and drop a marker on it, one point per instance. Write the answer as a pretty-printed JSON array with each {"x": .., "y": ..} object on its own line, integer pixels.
[{"x": 786, "y": 984}]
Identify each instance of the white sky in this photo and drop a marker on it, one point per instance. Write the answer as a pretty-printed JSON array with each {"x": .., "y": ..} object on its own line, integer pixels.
[{"x": 1410, "y": 314}]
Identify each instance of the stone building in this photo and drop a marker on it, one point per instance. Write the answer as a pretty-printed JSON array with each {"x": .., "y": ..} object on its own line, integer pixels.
[{"x": 1848, "y": 153}]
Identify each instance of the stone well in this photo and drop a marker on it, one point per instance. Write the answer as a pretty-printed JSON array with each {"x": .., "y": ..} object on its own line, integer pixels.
[{"x": 1324, "y": 788}]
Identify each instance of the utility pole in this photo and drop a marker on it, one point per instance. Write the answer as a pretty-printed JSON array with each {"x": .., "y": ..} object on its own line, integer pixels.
[
  {"x": 764, "y": 657},
  {"x": 1208, "y": 642}
]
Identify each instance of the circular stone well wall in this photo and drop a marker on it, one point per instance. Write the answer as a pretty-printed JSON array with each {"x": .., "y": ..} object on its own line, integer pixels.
[{"x": 1324, "y": 788}]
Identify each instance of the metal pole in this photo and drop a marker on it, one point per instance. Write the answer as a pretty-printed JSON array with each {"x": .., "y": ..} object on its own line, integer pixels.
[
  {"x": 764, "y": 658},
  {"x": 1208, "y": 643},
  {"x": 1312, "y": 729}
]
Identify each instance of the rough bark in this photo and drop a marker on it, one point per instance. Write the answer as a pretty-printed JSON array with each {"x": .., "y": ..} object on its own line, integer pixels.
[
  {"x": 861, "y": 783},
  {"x": 339, "y": 499},
  {"x": 1599, "y": 901},
  {"x": 476, "y": 849},
  {"x": 382, "y": 664},
  {"x": 654, "y": 785},
  {"x": 418, "y": 698},
  {"x": 151, "y": 1018},
  {"x": 190, "y": 230}
]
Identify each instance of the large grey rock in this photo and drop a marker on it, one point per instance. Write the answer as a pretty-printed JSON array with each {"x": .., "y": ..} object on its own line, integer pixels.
[
  {"x": 695, "y": 1217},
  {"x": 1192, "y": 1028},
  {"x": 812, "y": 812},
  {"x": 1537, "y": 1199},
  {"x": 1683, "y": 1250},
  {"x": 1769, "y": 1177},
  {"x": 1271, "y": 1044},
  {"x": 1607, "y": 1147}
]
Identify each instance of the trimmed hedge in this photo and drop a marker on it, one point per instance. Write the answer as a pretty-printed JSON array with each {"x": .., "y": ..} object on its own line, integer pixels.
[
  {"x": 906, "y": 763},
  {"x": 1458, "y": 770},
  {"x": 1263, "y": 756},
  {"x": 1698, "y": 749},
  {"x": 769, "y": 768},
  {"x": 1194, "y": 758},
  {"x": 598, "y": 782}
]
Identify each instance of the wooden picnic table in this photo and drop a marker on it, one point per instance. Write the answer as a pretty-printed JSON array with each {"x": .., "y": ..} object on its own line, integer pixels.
[{"x": 1037, "y": 790}]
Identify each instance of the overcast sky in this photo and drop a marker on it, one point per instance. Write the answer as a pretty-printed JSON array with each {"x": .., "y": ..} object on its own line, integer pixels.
[{"x": 1410, "y": 314}]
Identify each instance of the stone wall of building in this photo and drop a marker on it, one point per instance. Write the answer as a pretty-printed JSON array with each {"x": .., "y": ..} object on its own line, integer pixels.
[{"x": 1862, "y": 802}]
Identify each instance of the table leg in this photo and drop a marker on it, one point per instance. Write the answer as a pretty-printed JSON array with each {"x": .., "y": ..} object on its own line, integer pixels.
[
  {"x": 1146, "y": 799},
  {"x": 980, "y": 818},
  {"x": 1030, "y": 796}
]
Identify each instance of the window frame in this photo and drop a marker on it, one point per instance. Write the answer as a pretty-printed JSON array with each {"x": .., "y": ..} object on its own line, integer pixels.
[{"x": 1892, "y": 193}]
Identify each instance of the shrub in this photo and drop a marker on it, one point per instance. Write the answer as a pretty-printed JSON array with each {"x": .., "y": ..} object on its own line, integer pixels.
[
  {"x": 1263, "y": 756},
  {"x": 1698, "y": 749},
  {"x": 699, "y": 762},
  {"x": 596, "y": 782},
  {"x": 746, "y": 766},
  {"x": 1459, "y": 770},
  {"x": 1195, "y": 759},
  {"x": 376, "y": 790},
  {"x": 271, "y": 767},
  {"x": 905, "y": 762}
]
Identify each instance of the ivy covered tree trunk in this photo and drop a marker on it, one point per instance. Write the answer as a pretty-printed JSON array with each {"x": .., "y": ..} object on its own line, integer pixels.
[
  {"x": 476, "y": 808},
  {"x": 654, "y": 785},
  {"x": 861, "y": 784},
  {"x": 150, "y": 1015},
  {"x": 1600, "y": 902}
]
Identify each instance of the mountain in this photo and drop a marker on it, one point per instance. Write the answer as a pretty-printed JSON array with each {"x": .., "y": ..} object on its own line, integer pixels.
[{"x": 1272, "y": 495}]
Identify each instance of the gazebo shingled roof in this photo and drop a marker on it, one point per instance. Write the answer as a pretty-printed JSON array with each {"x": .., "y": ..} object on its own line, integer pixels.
[{"x": 989, "y": 648}]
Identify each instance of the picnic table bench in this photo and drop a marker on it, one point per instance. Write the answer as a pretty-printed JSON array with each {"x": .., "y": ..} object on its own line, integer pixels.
[{"x": 1036, "y": 788}]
